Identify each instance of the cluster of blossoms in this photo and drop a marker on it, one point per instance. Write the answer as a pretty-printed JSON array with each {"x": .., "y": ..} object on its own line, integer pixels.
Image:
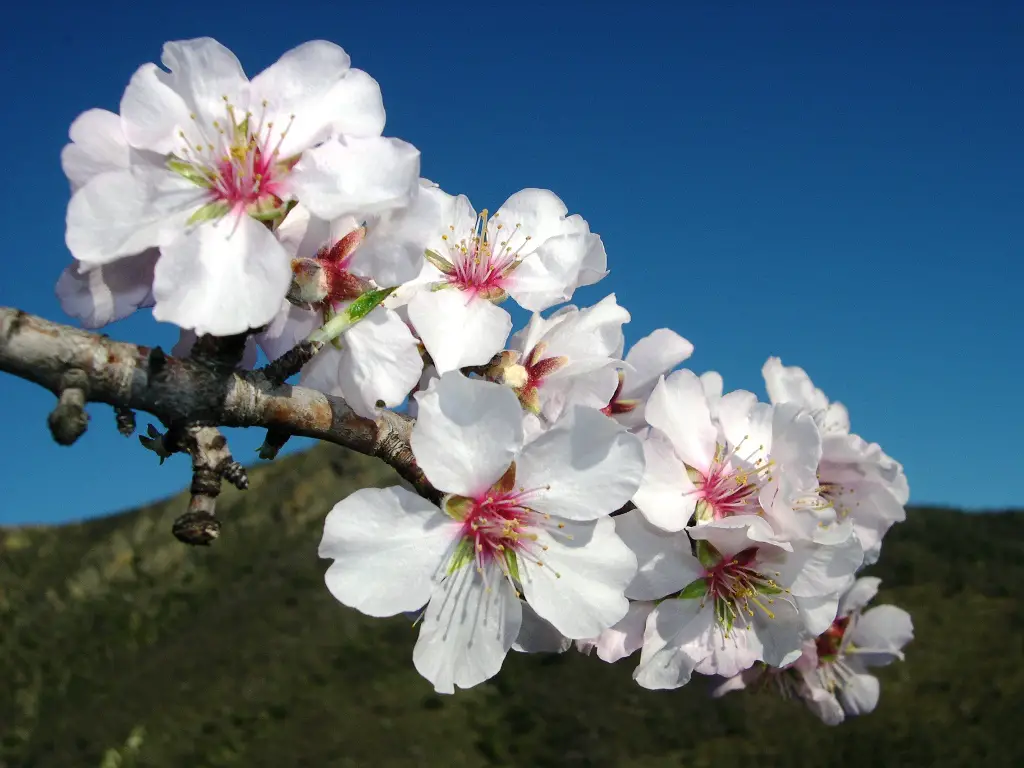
[{"x": 587, "y": 496}]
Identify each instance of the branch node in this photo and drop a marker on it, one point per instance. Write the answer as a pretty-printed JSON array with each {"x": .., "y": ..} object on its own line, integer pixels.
[
  {"x": 68, "y": 420},
  {"x": 235, "y": 474},
  {"x": 291, "y": 362},
  {"x": 125, "y": 420},
  {"x": 163, "y": 445},
  {"x": 197, "y": 528},
  {"x": 273, "y": 443},
  {"x": 220, "y": 352},
  {"x": 156, "y": 363}
]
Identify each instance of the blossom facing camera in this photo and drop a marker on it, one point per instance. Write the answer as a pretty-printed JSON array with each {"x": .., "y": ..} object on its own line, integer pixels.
[
  {"x": 214, "y": 164},
  {"x": 517, "y": 522}
]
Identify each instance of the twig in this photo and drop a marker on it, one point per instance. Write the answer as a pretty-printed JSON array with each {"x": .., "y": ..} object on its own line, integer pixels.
[
  {"x": 177, "y": 391},
  {"x": 68, "y": 420}
]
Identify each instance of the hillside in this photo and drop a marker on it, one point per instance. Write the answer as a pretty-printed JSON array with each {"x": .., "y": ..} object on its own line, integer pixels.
[{"x": 236, "y": 655}]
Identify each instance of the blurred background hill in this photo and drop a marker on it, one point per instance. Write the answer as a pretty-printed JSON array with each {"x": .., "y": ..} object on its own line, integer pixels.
[{"x": 121, "y": 648}]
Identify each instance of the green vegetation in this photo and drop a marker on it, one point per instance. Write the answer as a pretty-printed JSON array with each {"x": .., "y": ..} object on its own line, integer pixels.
[{"x": 120, "y": 647}]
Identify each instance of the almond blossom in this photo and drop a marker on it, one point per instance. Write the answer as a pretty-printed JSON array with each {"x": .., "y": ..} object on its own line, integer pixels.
[
  {"x": 376, "y": 362},
  {"x": 831, "y": 676},
  {"x": 517, "y": 521},
  {"x": 751, "y": 460},
  {"x": 564, "y": 360},
  {"x": 648, "y": 360},
  {"x": 215, "y": 161},
  {"x": 730, "y": 603},
  {"x": 529, "y": 250},
  {"x": 858, "y": 479},
  {"x": 99, "y": 295}
]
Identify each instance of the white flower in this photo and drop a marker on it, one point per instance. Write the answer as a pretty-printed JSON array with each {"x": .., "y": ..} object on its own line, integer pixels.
[
  {"x": 215, "y": 158},
  {"x": 732, "y": 604},
  {"x": 566, "y": 359},
  {"x": 529, "y": 250},
  {"x": 702, "y": 470},
  {"x": 831, "y": 676},
  {"x": 857, "y": 478},
  {"x": 623, "y": 638},
  {"x": 648, "y": 360},
  {"x": 857, "y": 640},
  {"x": 530, "y": 519},
  {"x": 377, "y": 360},
  {"x": 99, "y": 295}
]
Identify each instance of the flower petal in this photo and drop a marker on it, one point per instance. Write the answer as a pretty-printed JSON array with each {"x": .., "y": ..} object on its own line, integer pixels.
[
  {"x": 579, "y": 587},
  {"x": 299, "y": 90},
  {"x": 467, "y": 433},
  {"x": 730, "y": 535},
  {"x": 679, "y": 409},
  {"x": 586, "y": 334},
  {"x": 861, "y": 593},
  {"x": 290, "y": 326},
  {"x": 651, "y": 357},
  {"x": 537, "y": 635},
  {"x": 222, "y": 278},
  {"x": 537, "y": 213},
  {"x": 350, "y": 175},
  {"x": 880, "y": 634},
  {"x": 208, "y": 77},
  {"x": 392, "y": 252},
  {"x": 796, "y": 445},
  {"x": 782, "y": 636},
  {"x": 587, "y": 466},
  {"x": 790, "y": 384},
  {"x": 664, "y": 562},
  {"x": 98, "y": 145},
  {"x": 388, "y": 545},
  {"x": 357, "y": 105},
  {"x": 859, "y": 694},
  {"x": 458, "y": 328},
  {"x": 153, "y": 114},
  {"x": 108, "y": 293},
  {"x": 549, "y": 275},
  {"x": 122, "y": 213},
  {"x": 379, "y": 361},
  {"x": 674, "y": 642},
  {"x": 627, "y": 635},
  {"x": 666, "y": 496},
  {"x": 815, "y": 570},
  {"x": 471, "y": 621}
]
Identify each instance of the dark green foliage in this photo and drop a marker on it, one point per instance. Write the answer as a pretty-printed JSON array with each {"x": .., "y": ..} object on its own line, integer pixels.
[{"x": 121, "y": 647}]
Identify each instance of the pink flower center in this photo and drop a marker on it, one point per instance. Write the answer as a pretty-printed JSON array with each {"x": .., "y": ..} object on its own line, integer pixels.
[
  {"x": 238, "y": 160},
  {"x": 736, "y": 588},
  {"x": 500, "y": 528},
  {"x": 730, "y": 486},
  {"x": 481, "y": 265},
  {"x": 498, "y": 522},
  {"x": 831, "y": 640}
]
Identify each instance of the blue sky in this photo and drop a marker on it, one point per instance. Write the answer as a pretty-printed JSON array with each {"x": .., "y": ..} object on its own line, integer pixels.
[{"x": 842, "y": 188}]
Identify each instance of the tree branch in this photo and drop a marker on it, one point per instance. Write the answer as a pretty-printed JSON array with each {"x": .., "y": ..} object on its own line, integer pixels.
[{"x": 190, "y": 391}]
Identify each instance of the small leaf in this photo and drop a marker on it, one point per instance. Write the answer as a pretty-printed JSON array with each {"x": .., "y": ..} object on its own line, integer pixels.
[
  {"x": 439, "y": 261},
  {"x": 513, "y": 564},
  {"x": 456, "y": 507},
  {"x": 708, "y": 556},
  {"x": 463, "y": 555},
  {"x": 703, "y": 511},
  {"x": 209, "y": 212},
  {"x": 695, "y": 589},
  {"x": 190, "y": 172},
  {"x": 351, "y": 315},
  {"x": 507, "y": 481}
]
